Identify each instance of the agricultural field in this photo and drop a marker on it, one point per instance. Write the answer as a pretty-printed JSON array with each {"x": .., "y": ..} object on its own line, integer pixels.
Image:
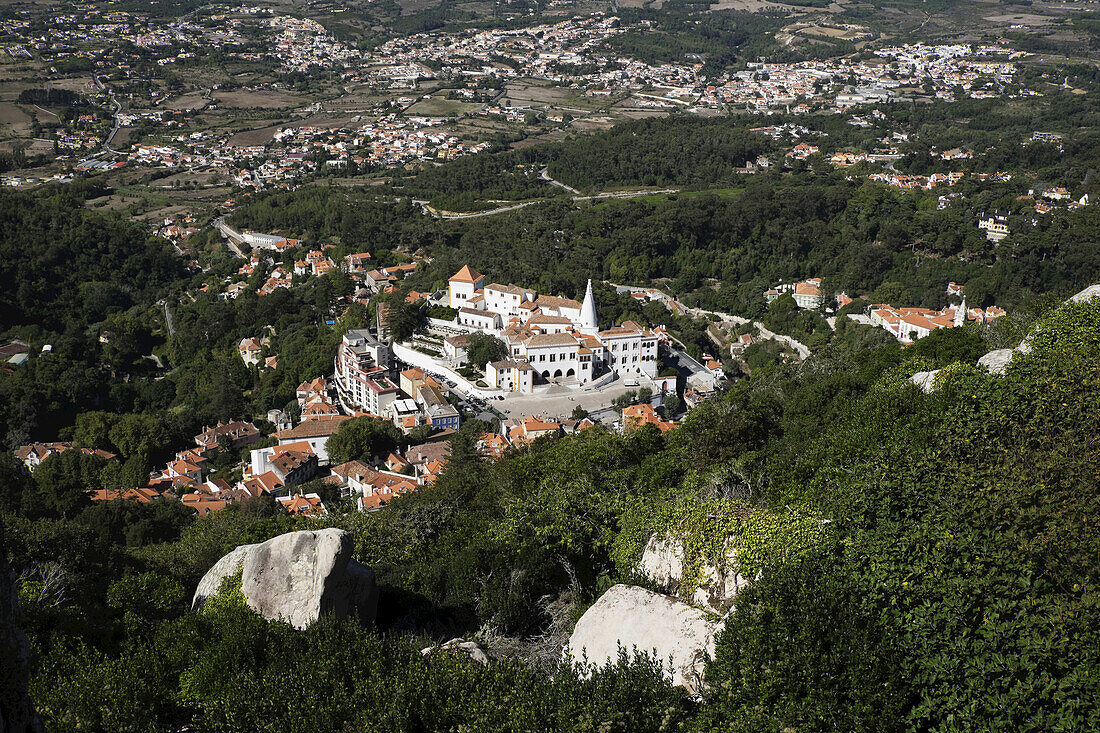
[{"x": 437, "y": 105}]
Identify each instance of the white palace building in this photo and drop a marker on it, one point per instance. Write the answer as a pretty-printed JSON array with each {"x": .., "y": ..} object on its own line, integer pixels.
[{"x": 548, "y": 337}]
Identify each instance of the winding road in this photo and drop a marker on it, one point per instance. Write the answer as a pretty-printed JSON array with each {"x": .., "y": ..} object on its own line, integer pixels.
[
  {"x": 431, "y": 211},
  {"x": 118, "y": 108}
]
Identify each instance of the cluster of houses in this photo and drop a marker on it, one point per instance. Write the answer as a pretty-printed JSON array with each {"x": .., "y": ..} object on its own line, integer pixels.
[
  {"x": 995, "y": 223},
  {"x": 909, "y": 323},
  {"x": 300, "y": 456},
  {"x": 32, "y": 454},
  {"x": 315, "y": 263},
  {"x": 910, "y": 181},
  {"x": 905, "y": 323}
]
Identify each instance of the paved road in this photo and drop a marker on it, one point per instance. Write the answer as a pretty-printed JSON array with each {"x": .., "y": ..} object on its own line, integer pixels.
[
  {"x": 118, "y": 108},
  {"x": 168, "y": 321},
  {"x": 544, "y": 174},
  {"x": 231, "y": 235},
  {"x": 472, "y": 215},
  {"x": 512, "y": 207}
]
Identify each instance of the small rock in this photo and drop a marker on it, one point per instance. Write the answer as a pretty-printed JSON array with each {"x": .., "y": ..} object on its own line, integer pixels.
[
  {"x": 925, "y": 380},
  {"x": 471, "y": 649}
]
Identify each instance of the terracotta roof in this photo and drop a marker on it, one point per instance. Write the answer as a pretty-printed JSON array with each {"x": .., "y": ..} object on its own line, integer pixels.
[
  {"x": 543, "y": 318},
  {"x": 428, "y": 452},
  {"x": 510, "y": 289},
  {"x": 315, "y": 428},
  {"x": 265, "y": 483},
  {"x": 466, "y": 275},
  {"x": 352, "y": 468},
  {"x": 302, "y": 504},
  {"x": 142, "y": 496},
  {"x": 551, "y": 301},
  {"x": 203, "y": 504},
  {"x": 551, "y": 339}
]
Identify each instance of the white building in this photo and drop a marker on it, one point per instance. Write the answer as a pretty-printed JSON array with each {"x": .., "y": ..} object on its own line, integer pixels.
[
  {"x": 630, "y": 350},
  {"x": 462, "y": 286},
  {"x": 807, "y": 294},
  {"x": 268, "y": 241},
  {"x": 515, "y": 376},
  {"x": 548, "y": 336},
  {"x": 482, "y": 320},
  {"x": 405, "y": 414},
  {"x": 506, "y": 299},
  {"x": 995, "y": 226},
  {"x": 360, "y": 367}
]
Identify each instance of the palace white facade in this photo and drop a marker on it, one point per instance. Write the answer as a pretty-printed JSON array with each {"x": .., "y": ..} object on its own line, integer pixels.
[{"x": 547, "y": 336}]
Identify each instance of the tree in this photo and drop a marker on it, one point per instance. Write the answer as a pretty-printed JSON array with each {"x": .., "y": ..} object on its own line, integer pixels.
[
  {"x": 63, "y": 481},
  {"x": 624, "y": 400},
  {"x": 362, "y": 439},
  {"x": 93, "y": 430},
  {"x": 13, "y": 482},
  {"x": 401, "y": 317},
  {"x": 128, "y": 340},
  {"x": 483, "y": 348},
  {"x": 139, "y": 434},
  {"x": 149, "y": 595}
]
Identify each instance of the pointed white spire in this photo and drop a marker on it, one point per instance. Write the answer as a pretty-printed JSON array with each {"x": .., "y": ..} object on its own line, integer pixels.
[{"x": 588, "y": 320}]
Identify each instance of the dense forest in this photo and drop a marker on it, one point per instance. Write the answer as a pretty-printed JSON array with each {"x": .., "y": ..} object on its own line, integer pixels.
[
  {"x": 65, "y": 261},
  {"x": 862, "y": 237}
]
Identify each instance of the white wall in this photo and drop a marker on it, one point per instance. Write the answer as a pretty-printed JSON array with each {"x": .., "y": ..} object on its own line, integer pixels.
[{"x": 431, "y": 366}]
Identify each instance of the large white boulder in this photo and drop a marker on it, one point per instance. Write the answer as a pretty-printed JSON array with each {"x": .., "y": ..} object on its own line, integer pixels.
[
  {"x": 636, "y": 619},
  {"x": 1092, "y": 291},
  {"x": 663, "y": 563},
  {"x": 997, "y": 361},
  {"x": 297, "y": 577}
]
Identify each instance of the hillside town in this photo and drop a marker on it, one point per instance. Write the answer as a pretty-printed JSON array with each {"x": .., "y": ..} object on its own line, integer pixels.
[
  {"x": 171, "y": 131},
  {"x": 553, "y": 350}
]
